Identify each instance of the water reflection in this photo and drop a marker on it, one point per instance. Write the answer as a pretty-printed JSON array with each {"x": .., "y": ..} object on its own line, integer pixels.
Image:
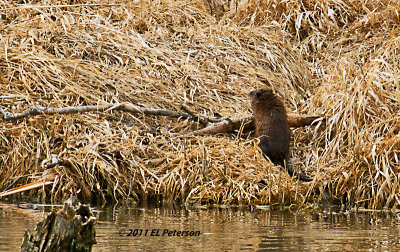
[
  {"x": 135, "y": 228},
  {"x": 13, "y": 223}
]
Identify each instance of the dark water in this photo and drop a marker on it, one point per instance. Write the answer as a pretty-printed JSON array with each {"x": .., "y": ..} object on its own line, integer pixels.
[{"x": 178, "y": 229}]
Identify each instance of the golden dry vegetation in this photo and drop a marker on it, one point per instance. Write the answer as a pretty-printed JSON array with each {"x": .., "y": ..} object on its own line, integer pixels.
[{"x": 338, "y": 59}]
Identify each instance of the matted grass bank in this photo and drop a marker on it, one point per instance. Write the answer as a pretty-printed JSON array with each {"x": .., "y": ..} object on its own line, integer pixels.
[{"x": 338, "y": 59}]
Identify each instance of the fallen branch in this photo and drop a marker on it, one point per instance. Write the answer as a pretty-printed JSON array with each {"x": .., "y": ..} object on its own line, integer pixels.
[
  {"x": 213, "y": 125},
  {"x": 229, "y": 125},
  {"x": 193, "y": 115},
  {"x": 58, "y": 6},
  {"x": 297, "y": 121},
  {"x": 127, "y": 107}
]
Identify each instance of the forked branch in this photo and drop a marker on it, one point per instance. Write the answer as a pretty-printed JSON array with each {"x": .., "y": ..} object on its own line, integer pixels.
[{"x": 212, "y": 125}]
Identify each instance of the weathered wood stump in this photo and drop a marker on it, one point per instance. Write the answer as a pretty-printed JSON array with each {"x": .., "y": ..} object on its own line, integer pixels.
[{"x": 69, "y": 229}]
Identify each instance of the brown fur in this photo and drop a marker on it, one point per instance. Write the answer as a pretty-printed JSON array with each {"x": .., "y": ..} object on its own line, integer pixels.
[{"x": 272, "y": 128}]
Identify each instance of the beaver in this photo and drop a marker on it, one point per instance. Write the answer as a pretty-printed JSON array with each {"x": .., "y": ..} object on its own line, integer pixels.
[{"x": 272, "y": 129}]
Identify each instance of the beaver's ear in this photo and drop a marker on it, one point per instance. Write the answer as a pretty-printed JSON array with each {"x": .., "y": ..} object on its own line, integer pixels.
[
  {"x": 268, "y": 91},
  {"x": 259, "y": 93},
  {"x": 255, "y": 94},
  {"x": 252, "y": 94}
]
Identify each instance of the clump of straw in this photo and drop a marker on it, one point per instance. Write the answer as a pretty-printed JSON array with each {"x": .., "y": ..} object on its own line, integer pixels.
[{"x": 334, "y": 58}]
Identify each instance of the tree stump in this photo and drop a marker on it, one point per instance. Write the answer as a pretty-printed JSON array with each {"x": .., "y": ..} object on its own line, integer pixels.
[{"x": 69, "y": 229}]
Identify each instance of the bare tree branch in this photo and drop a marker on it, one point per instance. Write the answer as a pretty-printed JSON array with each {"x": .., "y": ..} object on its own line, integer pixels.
[
  {"x": 297, "y": 121},
  {"x": 127, "y": 107},
  {"x": 229, "y": 125},
  {"x": 192, "y": 114},
  {"x": 217, "y": 125}
]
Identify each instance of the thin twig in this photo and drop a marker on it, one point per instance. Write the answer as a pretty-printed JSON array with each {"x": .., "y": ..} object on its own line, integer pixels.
[
  {"x": 23, "y": 174},
  {"x": 386, "y": 31}
]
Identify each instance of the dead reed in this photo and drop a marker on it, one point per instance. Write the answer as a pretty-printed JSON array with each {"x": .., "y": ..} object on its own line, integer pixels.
[{"x": 335, "y": 58}]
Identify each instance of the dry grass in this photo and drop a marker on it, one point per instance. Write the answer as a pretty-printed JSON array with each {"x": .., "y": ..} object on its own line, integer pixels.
[{"x": 326, "y": 57}]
